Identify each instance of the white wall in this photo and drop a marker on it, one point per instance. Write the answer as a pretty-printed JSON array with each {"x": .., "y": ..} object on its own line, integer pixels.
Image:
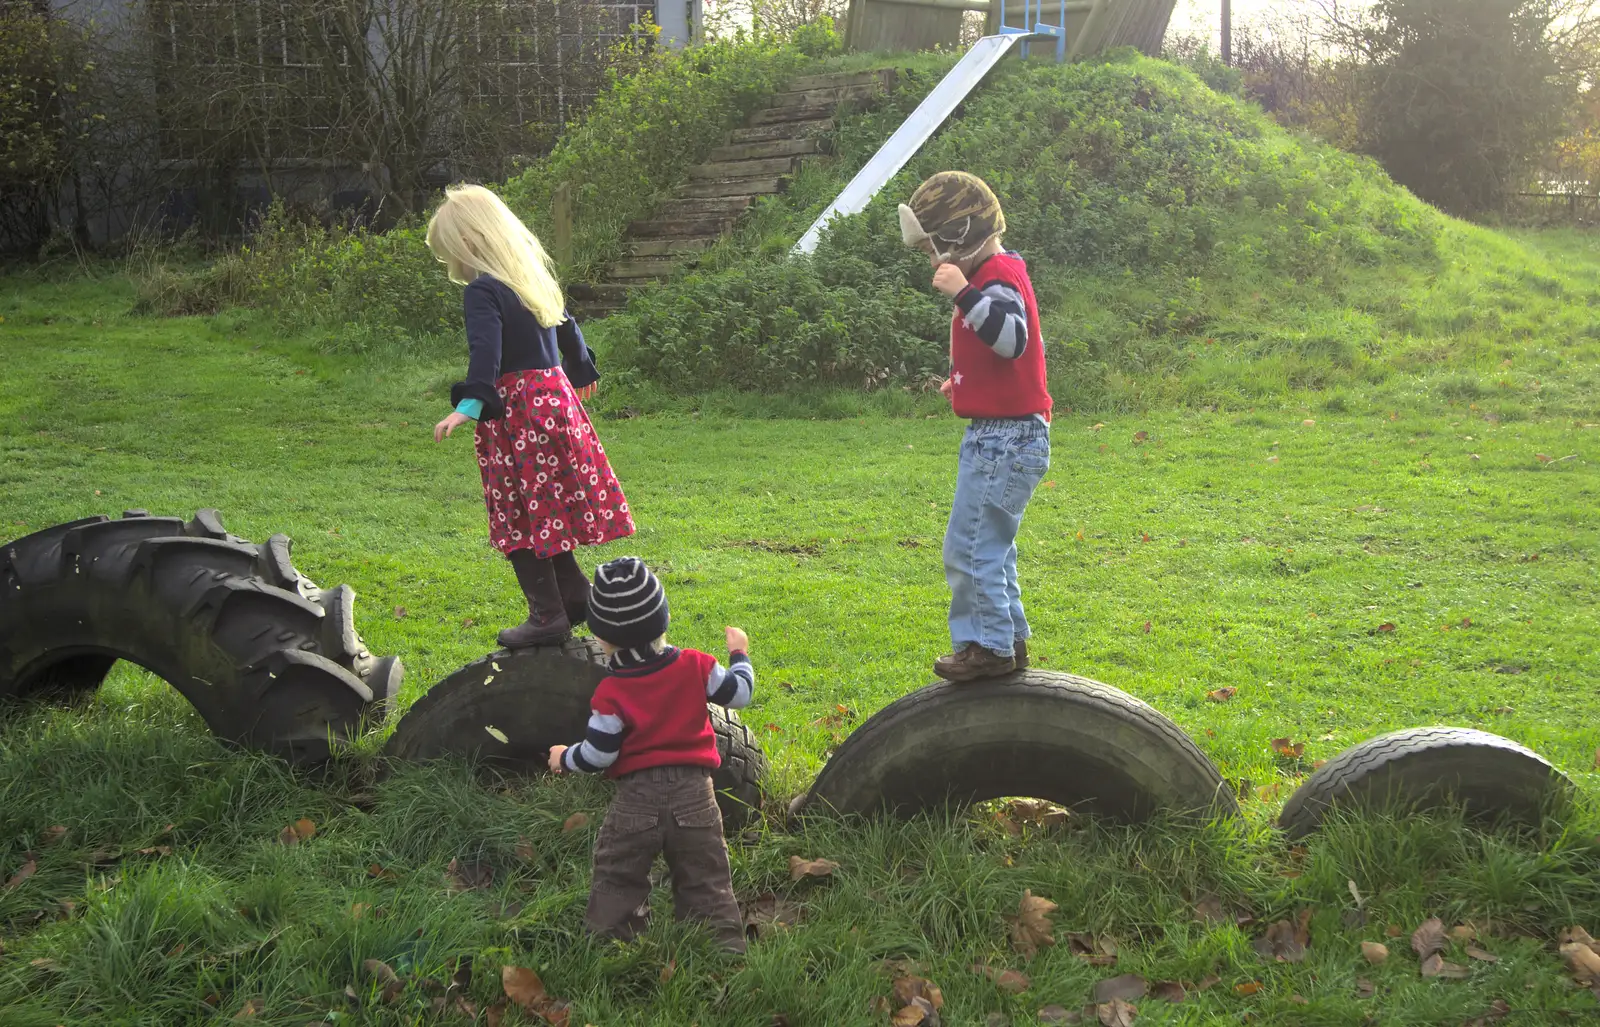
[{"x": 680, "y": 21}]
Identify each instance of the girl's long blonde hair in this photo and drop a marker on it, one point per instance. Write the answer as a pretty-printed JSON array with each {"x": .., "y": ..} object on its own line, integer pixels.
[{"x": 474, "y": 233}]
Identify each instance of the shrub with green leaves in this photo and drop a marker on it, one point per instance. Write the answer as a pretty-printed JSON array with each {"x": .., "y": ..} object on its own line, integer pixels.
[{"x": 1127, "y": 172}]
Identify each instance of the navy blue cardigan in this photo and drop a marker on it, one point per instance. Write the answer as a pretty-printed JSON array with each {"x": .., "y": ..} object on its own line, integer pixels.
[{"x": 504, "y": 337}]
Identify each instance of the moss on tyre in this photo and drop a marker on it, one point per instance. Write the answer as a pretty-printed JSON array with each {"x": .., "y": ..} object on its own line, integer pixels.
[
  {"x": 510, "y": 707},
  {"x": 1489, "y": 777},
  {"x": 186, "y": 601},
  {"x": 1046, "y": 735}
]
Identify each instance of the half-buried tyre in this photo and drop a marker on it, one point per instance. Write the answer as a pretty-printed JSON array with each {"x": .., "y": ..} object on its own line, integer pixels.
[
  {"x": 1044, "y": 735},
  {"x": 1487, "y": 777},
  {"x": 510, "y": 707},
  {"x": 267, "y": 667}
]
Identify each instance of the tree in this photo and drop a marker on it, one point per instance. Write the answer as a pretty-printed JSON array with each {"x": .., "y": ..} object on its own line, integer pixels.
[
  {"x": 1461, "y": 97},
  {"x": 776, "y": 17}
]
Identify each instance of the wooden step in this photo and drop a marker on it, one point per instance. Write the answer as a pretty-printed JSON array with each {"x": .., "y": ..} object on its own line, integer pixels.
[
  {"x": 668, "y": 247},
  {"x": 681, "y": 228},
  {"x": 624, "y": 270},
  {"x": 817, "y": 97},
  {"x": 718, "y": 206},
  {"x": 772, "y": 148},
  {"x": 854, "y": 78},
  {"x": 782, "y": 130},
  {"x": 718, "y": 171},
  {"x": 732, "y": 187},
  {"x": 782, "y": 115}
]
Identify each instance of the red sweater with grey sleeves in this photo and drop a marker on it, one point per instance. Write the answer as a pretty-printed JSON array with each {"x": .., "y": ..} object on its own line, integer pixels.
[{"x": 996, "y": 346}]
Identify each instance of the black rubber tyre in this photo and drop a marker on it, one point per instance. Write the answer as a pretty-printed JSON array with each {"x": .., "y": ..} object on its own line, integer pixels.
[
  {"x": 1044, "y": 735},
  {"x": 538, "y": 697},
  {"x": 266, "y": 668},
  {"x": 1490, "y": 777}
]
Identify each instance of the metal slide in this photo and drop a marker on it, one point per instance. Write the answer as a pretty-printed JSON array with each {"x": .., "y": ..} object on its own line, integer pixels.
[{"x": 916, "y": 130}]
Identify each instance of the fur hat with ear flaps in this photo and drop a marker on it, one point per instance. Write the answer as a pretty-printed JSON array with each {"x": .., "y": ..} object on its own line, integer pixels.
[{"x": 954, "y": 213}]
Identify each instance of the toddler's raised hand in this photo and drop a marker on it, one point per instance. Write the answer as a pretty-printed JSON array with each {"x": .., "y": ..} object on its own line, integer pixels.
[
  {"x": 738, "y": 641},
  {"x": 555, "y": 758}
]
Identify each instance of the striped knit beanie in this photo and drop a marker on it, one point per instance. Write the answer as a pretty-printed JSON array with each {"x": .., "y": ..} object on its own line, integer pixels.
[{"x": 628, "y": 607}]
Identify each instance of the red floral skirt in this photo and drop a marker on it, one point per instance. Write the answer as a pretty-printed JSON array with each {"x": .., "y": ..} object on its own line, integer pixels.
[{"x": 546, "y": 480}]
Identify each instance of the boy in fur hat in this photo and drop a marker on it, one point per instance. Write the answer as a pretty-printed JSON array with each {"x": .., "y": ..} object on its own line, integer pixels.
[
  {"x": 997, "y": 380},
  {"x": 649, "y": 729}
]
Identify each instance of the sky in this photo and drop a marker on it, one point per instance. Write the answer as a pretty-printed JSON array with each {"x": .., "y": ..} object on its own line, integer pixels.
[{"x": 1205, "y": 14}]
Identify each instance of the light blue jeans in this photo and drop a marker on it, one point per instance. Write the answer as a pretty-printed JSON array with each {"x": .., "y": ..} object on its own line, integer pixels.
[{"x": 1001, "y": 464}]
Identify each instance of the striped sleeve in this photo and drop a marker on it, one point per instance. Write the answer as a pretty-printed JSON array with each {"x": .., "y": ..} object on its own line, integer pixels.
[
  {"x": 731, "y": 686},
  {"x": 998, "y": 315},
  {"x": 600, "y": 745}
]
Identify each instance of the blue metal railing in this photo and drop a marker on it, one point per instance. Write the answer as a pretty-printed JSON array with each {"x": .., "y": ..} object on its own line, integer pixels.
[{"x": 1031, "y": 27}]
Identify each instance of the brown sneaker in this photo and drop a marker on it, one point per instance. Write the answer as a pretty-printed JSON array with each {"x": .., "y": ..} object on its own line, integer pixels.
[
  {"x": 1021, "y": 659},
  {"x": 973, "y": 663}
]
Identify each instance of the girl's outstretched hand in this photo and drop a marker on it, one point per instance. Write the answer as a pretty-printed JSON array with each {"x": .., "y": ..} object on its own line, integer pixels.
[
  {"x": 587, "y": 392},
  {"x": 449, "y": 424},
  {"x": 555, "y": 758}
]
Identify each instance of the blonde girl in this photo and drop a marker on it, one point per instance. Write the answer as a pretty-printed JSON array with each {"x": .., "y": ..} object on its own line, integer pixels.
[{"x": 546, "y": 480}]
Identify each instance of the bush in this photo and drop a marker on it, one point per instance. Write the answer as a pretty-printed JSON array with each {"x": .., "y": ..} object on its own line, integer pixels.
[{"x": 1127, "y": 173}]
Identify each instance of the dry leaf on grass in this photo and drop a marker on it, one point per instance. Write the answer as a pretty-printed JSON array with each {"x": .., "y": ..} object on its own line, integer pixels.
[
  {"x": 669, "y": 971},
  {"x": 1222, "y": 694},
  {"x": 1583, "y": 961},
  {"x": 376, "y": 870},
  {"x": 1209, "y": 909},
  {"x": 908, "y": 988},
  {"x": 799, "y": 868},
  {"x": 1247, "y": 988},
  {"x": 1364, "y": 988},
  {"x": 1463, "y": 933},
  {"x": 1057, "y": 1015},
  {"x": 1498, "y": 1010},
  {"x": 1284, "y": 942},
  {"x": 1429, "y": 938},
  {"x": 1287, "y": 749},
  {"x": 1031, "y": 927},
  {"x": 1474, "y": 952},
  {"x": 27, "y": 870},
  {"x": 1126, "y": 987},
  {"x": 302, "y": 830},
  {"x": 381, "y": 972},
  {"x": 1010, "y": 981},
  {"x": 525, "y": 851},
  {"x": 468, "y": 875},
  {"x": 1208, "y": 982},
  {"x": 1374, "y": 952},
  {"x": 522, "y": 986},
  {"x": 1116, "y": 1013},
  {"x": 50, "y": 835},
  {"x": 574, "y": 822},
  {"x": 249, "y": 1010},
  {"x": 918, "y": 1013}
]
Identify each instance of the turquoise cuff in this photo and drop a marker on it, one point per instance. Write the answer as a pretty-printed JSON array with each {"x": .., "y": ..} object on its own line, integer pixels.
[{"x": 472, "y": 408}]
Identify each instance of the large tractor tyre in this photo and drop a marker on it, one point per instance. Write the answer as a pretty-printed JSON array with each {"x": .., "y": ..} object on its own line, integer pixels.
[
  {"x": 190, "y": 606},
  {"x": 1488, "y": 777},
  {"x": 1039, "y": 734},
  {"x": 510, "y": 707}
]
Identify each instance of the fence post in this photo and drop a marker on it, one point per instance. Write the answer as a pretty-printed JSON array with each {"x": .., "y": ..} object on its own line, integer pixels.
[{"x": 561, "y": 215}]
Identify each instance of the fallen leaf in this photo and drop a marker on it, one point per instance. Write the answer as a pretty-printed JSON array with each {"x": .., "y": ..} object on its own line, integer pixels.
[
  {"x": 1222, "y": 694},
  {"x": 468, "y": 875},
  {"x": 1006, "y": 980},
  {"x": 919, "y": 1013},
  {"x": 384, "y": 975},
  {"x": 1374, "y": 952},
  {"x": 156, "y": 850},
  {"x": 24, "y": 872},
  {"x": 1386, "y": 626},
  {"x": 249, "y": 1010},
  {"x": 494, "y": 1014},
  {"x": 1147, "y": 627},
  {"x": 799, "y": 868},
  {"x": 1208, "y": 982},
  {"x": 50, "y": 835},
  {"x": 1498, "y": 1010},
  {"x": 1116, "y": 1013},
  {"x": 1169, "y": 991},
  {"x": 461, "y": 973},
  {"x": 1209, "y": 909},
  {"x": 1309, "y": 423},
  {"x": 1125, "y": 987},
  {"x": 669, "y": 971},
  {"x": 522, "y": 986},
  {"x": 301, "y": 830},
  {"x": 359, "y": 910},
  {"x": 1541, "y": 458},
  {"x": 1364, "y": 988},
  {"x": 1474, "y": 952},
  {"x": 524, "y": 850},
  {"x": 1100, "y": 951},
  {"x": 574, "y": 822},
  {"x": 1355, "y": 893},
  {"x": 1056, "y": 1015},
  {"x": 1429, "y": 938},
  {"x": 497, "y": 734},
  {"x": 379, "y": 872},
  {"x": 399, "y": 613},
  {"x": 1140, "y": 436},
  {"x": 1394, "y": 930},
  {"x": 1583, "y": 961},
  {"x": 907, "y": 989},
  {"x": 1302, "y": 928},
  {"x": 1032, "y": 927},
  {"x": 1247, "y": 988}
]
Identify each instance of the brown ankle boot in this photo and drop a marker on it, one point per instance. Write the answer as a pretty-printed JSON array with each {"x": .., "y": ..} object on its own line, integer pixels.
[
  {"x": 973, "y": 663},
  {"x": 547, "y": 622},
  {"x": 574, "y": 585},
  {"x": 1021, "y": 657}
]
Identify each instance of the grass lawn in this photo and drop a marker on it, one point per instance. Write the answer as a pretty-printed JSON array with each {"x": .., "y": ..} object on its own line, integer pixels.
[{"x": 1168, "y": 554}]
